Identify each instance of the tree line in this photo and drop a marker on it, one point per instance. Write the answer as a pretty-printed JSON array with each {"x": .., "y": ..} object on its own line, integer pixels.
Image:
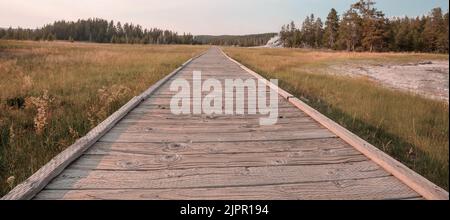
[
  {"x": 365, "y": 28},
  {"x": 99, "y": 31},
  {"x": 236, "y": 40},
  {"x": 102, "y": 31}
]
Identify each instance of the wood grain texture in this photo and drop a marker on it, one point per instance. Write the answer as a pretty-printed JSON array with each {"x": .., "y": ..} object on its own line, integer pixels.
[
  {"x": 326, "y": 145},
  {"x": 180, "y": 161},
  {"x": 361, "y": 189},
  {"x": 216, "y": 137},
  {"x": 213, "y": 177},
  {"x": 158, "y": 116},
  {"x": 188, "y": 129}
]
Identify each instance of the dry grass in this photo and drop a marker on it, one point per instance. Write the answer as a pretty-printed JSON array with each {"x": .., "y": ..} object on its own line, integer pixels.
[
  {"x": 412, "y": 129},
  {"x": 53, "y": 93}
]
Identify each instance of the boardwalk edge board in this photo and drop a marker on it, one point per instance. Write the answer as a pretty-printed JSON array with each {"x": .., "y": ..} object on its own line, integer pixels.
[
  {"x": 34, "y": 184},
  {"x": 418, "y": 183}
]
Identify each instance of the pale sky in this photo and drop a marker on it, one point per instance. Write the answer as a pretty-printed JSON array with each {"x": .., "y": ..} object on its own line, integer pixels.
[{"x": 195, "y": 16}]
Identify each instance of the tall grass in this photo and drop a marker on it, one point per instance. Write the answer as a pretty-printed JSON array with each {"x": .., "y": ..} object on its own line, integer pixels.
[
  {"x": 53, "y": 93},
  {"x": 412, "y": 129}
]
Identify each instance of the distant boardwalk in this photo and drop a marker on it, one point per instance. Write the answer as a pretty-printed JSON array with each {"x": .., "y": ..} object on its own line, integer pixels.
[{"x": 153, "y": 154}]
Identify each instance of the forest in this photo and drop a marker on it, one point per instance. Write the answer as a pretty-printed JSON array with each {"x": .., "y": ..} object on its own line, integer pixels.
[
  {"x": 236, "y": 40},
  {"x": 99, "y": 31},
  {"x": 365, "y": 28}
]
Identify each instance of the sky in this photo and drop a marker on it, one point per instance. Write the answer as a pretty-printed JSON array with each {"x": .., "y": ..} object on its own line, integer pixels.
[{"x": 215, "y": 17}]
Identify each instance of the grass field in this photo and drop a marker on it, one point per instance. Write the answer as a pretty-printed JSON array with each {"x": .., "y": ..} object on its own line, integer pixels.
[
  {"x": 412, "y": 129},
  {"x": 53, "y": 93}
]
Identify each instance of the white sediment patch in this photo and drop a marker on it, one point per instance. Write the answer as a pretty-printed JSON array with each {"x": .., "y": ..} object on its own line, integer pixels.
[{"x": 429, "y": 79}]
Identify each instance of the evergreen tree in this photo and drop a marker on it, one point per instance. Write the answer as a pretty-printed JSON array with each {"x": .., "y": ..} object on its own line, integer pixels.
[
  {"x": 111, "y": 31},
  {"x": 318, "y": 33},
  {"x": 51, "y": 37},
  {"x": 292, "y": 35},
  {"x": 308, "y": 31},
  {"x": 350, "y": 30},
  {"x": 444, "y": 35},
  {"x": 373, "y": 25},
  {"x": 331, "y": 29}
]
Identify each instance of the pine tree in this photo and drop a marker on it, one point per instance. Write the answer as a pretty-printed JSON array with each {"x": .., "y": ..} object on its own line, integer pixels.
[
  {"x": 2, "y": 33},
  {"x": 308, "y": 31},
  {"x": 403, "y": 38},
  {"x": 331, "y": 29},
  {"x": 373, "y": 24},
  {"x": 444, "y": 36},
  {"x": 436, "y": 31},
  {"x": 417, "y": 26},
  {"x": 350, "y": 30},
  {"x": 111, "y": 31},
  {"x": 284, "y": 35},
  {"x": 51, "y": 37},
  {"x": 293, "y": 41},
  {"x": 318, "y": 33}
]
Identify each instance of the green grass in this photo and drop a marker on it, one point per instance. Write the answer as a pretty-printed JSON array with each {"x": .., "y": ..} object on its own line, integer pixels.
[
  {"x": 410, "y": 128},
  {"x": 54, "y": 92}
]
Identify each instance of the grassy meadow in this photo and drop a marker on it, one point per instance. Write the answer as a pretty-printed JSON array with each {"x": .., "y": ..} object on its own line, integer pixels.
[
  {"x": 52, "y": 93},
  {"x": 410, "y": 128}
]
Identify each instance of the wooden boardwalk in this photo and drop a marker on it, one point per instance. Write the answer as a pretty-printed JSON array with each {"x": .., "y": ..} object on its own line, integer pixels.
[{"x": 153, "y": 154}]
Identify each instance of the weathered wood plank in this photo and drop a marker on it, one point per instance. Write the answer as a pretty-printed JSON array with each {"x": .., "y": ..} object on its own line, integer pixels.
[
  {"x": 189, "y": 129},
  {"x": 185, "y": 161},
  {"x": 324, "y": 146},
  {"x": 211, "y": 117},
  {"x": 167, "y": 106},
  {"x": 165, "y": 93},
  {"x": 213, "y": 177},
  {"x": 289, "y": 112},
  {"x": 157, "y": 110},
  {"x": 231, "y": 119},
  {"x": 166, "y": 101},
  {"x": 360, "y": 189},
  {"x": 206, "y": 122},
  {"x": 211, "y": 137}
]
